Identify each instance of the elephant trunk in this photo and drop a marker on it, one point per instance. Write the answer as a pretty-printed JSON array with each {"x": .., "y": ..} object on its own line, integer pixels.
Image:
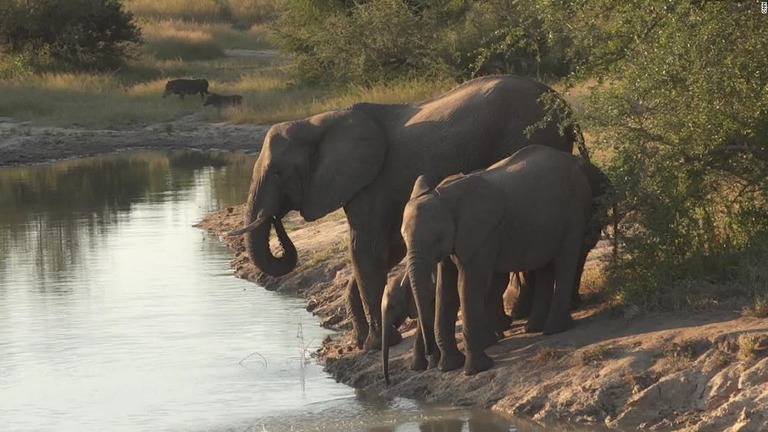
[
  {"x": 386, "y": 326},
  {"x": 420, "y": 274},
  {"x": 257, "y": 239}
]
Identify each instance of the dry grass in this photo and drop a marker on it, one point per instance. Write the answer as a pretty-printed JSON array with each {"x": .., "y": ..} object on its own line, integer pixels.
[
  {"x": 596, "y": 355},
  {"x": 241, "y": 12},
  {"x": 748, "y": 346},
  {"x": 546, "y": 355}
]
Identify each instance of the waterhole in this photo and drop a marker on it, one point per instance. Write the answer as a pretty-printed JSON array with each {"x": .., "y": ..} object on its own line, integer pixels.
[{"x": 117, "y": 314}]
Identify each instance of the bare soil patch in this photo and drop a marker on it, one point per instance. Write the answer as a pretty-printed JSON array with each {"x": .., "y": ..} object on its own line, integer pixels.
[{"x": 619, "y": 369}]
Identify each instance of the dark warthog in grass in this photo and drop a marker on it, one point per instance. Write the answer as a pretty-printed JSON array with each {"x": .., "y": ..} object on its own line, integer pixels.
[
  {"x": 221, "y": 101},
  {"x": 183, "y": 87}
]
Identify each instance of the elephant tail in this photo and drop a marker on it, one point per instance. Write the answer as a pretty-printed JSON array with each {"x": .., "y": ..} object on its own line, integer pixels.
[{"x": 574, "y": 131}]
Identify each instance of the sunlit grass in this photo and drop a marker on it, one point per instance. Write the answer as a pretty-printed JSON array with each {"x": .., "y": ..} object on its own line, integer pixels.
[
  {"x": 241, "y": 12},
  {"x": 281, "y": 103},
  {"x": 190, "y": 39}
]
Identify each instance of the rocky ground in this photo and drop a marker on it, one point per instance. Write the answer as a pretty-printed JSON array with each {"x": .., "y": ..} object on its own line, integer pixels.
[{"x": 619, "y": 369}]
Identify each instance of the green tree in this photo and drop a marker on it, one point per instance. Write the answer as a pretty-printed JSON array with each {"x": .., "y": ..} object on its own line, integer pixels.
[
  {"x": 683, "y": 110},
  {"x": 75, "y": 34}
]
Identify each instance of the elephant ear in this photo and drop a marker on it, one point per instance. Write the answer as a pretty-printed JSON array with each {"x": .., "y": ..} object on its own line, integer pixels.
[
  {"x": 479, "y": 210},
  {"x": 350, "y": 150},
  {"x": 424, "y": 184}
]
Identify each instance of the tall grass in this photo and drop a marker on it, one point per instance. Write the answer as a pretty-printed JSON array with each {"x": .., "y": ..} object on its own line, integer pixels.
[
  {"x": 189, "y": 39},
  {"x": 242, "y": 13}
]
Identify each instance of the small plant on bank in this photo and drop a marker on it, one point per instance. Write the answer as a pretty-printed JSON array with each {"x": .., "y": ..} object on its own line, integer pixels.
[
  {"x": 546, "y": 355},
  {"x": 758, "y": 308},
  {"x": 680, "y": 355},
  {"x": 596, "y": 355},
  {"x": 748, "y": 346}
]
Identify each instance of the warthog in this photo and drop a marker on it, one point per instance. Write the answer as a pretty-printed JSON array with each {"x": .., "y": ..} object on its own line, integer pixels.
[
  {"x": 221, "y": 101},
  {"x": 183, "y": 87}
]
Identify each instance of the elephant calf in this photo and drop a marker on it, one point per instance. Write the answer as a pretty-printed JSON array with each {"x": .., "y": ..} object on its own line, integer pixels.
[{"x": 528, "y": 212}]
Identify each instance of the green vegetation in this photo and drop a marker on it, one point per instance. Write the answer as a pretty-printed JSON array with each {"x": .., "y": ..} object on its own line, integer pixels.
[
  {"x": 671, "y": 96},
  {"x": 71, "y": 35}
]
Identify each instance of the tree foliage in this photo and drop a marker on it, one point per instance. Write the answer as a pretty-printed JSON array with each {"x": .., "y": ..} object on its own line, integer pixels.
[
  {"x": 368, "y": 41},
  {"x": 72, "y": 34},
  {"x": 678, "y": 102}
]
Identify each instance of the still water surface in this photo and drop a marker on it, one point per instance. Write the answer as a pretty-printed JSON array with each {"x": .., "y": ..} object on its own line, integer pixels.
[{"x": 116, "y": 314}]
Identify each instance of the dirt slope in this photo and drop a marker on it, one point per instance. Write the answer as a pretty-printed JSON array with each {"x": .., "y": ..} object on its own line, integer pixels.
[{"x": 618, "y": 369}]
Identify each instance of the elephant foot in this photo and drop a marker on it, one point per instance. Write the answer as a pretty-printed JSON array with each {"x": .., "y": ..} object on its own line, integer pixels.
[
  {"x": 434, "y": 360},
  {"x": 575, "y": 301},
  {"x": 477, "y": 363},
  {"x": 521, "y": 309},
  {"x": 360, "y": 333},
  {"x": 419, "y": 363},
  {"x": 452, "y": 361},
  {"x": 558, "y": 325},
  {"x": 373, "y": 341},
  {"x": 534, "y": 326}
]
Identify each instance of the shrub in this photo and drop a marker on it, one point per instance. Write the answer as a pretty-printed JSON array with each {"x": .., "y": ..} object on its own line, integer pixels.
[
  {"x": 76, "y": 34},
  {"x": 683, "y": 111},
  {"x": 368, "y": 41}
]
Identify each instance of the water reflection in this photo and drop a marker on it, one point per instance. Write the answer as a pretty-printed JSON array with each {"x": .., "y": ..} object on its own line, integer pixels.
[
  {"x": 55, "y": 211},
  {"x": 117, "y": 315}
]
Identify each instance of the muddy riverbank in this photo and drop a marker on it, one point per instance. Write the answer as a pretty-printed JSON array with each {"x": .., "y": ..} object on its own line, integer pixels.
[{"x": 619, "y": 369}]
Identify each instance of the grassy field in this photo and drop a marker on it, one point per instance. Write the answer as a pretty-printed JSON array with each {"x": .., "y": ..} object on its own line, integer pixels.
[{"x": 225, "y": 41}]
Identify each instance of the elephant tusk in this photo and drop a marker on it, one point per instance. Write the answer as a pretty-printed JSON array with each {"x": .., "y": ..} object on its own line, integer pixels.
[{"x": 250, "y": 227}]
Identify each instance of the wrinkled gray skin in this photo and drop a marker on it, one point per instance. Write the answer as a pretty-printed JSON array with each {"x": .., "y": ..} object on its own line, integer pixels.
[
  {"x": 366, "y": 159},
  {"x": 603, "y": 197},
  {"x": 527, "y": 212},
  {"x": 398, "y": 304}
]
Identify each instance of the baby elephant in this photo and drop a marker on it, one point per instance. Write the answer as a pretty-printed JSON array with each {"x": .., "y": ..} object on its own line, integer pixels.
[
  {"x": 221, "y": 101},
  {"x": 528, "y": 212}
]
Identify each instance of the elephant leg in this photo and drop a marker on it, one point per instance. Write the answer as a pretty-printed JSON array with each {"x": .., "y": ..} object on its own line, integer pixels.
[
  {"x": 498, "y": 319},
  {"x": 371, "y": 263},
  {"x": 542, "y": 298},
  {"x": 419, "y": 360},
  {"x": 474, "y": 282},
  {"x": 526, "y": 283},
  {"x": 575, "y": 296},
  {"x": 446, "y": 307},
  {"x": 559, "y": 318},
  {"x": 355, "y": 308}
]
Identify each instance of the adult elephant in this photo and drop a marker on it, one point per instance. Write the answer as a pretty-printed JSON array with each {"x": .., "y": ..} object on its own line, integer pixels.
[
  {"x": 528, "y": 212},
  {"x": 366, "y": 159}
]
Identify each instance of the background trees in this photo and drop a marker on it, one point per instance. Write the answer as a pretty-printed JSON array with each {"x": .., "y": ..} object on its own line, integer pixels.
[{"x": 74, "y": 34}]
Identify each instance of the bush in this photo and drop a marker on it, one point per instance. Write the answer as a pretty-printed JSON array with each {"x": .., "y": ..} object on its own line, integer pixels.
[
  {"x": 369, "y": 41},
  {"x": 685, "y": 114},
  {"x": 76, "y": 34}
]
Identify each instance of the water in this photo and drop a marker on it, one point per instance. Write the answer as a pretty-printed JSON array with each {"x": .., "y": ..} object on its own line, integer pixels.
[{"x": 116, "y": 314}]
